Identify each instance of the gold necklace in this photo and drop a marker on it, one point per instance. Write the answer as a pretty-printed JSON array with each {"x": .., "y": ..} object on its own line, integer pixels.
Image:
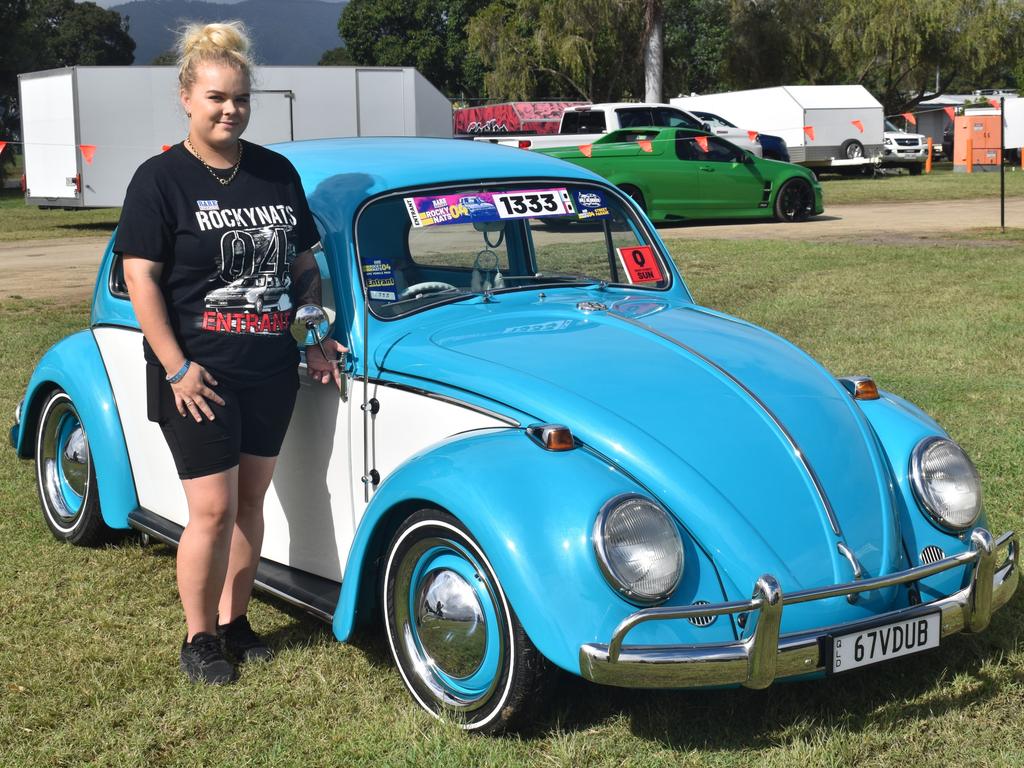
[{"x": 234, "y": 171}]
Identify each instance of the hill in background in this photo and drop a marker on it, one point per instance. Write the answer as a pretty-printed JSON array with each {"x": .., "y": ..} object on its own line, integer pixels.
[{"x": 297, "y": 32}]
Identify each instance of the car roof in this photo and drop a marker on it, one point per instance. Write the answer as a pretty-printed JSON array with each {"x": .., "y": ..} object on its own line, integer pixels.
[{"x": 338, "y": 174}]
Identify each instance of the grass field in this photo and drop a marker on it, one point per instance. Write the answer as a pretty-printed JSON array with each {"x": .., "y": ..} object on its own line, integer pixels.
[
  {"x": 23, "y": 222},
  {"x": 89, "y": 649},
  {"x": 941, "y": 184}
]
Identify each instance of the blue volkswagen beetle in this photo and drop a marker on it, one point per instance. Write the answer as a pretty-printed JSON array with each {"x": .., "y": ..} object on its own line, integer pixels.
[{"x": 546, "y": 454}]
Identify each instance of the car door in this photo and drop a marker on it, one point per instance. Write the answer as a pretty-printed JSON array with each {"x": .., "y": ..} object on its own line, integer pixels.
[{"x": 727, "y": 181}]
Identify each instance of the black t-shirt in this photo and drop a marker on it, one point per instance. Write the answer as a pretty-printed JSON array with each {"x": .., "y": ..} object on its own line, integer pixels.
[{"x": 227, "y": 253}]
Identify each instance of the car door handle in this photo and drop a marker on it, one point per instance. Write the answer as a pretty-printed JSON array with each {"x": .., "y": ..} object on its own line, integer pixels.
[{"x": 707, "y": 168}]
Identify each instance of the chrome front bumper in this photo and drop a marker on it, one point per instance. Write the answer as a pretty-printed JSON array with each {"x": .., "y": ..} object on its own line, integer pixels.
[{"x": 766, "y": 656}]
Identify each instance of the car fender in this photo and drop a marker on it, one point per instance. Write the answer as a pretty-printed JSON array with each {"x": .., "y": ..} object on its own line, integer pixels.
[
  {"x": 74, "y": 364},
  {"x": 532, "y": 511},
  {"x": 900, "y": 426}
]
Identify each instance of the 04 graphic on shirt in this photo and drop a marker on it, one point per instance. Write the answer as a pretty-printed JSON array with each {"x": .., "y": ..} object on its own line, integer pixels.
[{"x": 254, "y": 270}]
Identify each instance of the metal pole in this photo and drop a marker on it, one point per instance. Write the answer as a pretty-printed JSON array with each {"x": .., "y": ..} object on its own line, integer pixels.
[{"x": 1002, "y": 166}]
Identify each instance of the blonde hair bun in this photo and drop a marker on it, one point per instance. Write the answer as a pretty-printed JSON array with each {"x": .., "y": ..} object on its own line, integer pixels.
[{"x": 224, "y": 42}]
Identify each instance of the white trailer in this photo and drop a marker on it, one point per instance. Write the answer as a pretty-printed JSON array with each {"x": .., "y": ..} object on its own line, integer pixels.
[
  {"x": 836, "y": 127},
  {"x": 129, "y": 114}
]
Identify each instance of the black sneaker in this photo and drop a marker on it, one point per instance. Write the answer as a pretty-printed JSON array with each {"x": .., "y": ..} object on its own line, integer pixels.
[
  {"x": 242, "y": 643},
  {"x": 203, "y": 660}
]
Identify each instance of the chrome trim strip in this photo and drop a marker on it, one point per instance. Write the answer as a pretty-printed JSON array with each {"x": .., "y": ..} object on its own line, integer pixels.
[
  {"x": 447, "y": 399},
  {"x": 833, "y": 520},
  {"x": 766, "y": 656}
]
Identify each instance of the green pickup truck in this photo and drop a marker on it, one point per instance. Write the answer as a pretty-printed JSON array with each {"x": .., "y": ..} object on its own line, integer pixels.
[{"x": 677, "y": 174}]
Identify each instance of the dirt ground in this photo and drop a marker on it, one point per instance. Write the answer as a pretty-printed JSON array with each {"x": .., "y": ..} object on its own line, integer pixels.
[{"x": 29, "y": 267}]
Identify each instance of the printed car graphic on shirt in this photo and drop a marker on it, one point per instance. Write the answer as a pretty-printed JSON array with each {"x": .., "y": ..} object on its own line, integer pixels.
[{"x": 258, "y": 293}]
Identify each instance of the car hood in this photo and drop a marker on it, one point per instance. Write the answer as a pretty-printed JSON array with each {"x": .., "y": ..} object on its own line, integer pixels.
[{"x": 759, "y": 452}]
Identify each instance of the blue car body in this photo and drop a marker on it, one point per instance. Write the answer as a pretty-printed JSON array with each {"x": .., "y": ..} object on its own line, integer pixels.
[{"x": 767, "y": 463}]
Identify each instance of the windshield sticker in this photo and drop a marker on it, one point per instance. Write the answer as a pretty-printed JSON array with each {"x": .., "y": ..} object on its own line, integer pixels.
[
  {"x": 640, "y": 264},
  {"x": 488, "y": 206},
  {"x": 590, "y": 204},
  {"x": 380, "y": 279}
]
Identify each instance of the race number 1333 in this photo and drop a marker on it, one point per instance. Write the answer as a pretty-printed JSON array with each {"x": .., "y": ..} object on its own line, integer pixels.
[{"x": 532, "y": 202}]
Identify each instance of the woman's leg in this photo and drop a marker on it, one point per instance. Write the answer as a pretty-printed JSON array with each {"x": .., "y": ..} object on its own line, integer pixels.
[
  {"x": 254, "y": 475},
  {"x": 204, "y": 547}
]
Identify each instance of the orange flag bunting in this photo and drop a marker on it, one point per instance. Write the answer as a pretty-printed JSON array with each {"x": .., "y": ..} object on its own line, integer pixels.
[
  {"x": 702, "y": 142},
  {"x": 856, "y": 124},
  {"x": 88, "y": 152},
  {"x": 752, "y": 135},
  {"x": 164, "y": 147},
  {"x": 809, "y": 130},
  {"x": 950, "y": 111},
  {"x": 586, "y": 149},
  {"x": 994, "y": 103},
  {"x": 3, "y": 146},
  {"x": 645, "y": 145},
  {"x": 909, "y": 117}
]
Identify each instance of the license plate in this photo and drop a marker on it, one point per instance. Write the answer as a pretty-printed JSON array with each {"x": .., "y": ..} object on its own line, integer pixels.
[{"x": 889, "y": 641}]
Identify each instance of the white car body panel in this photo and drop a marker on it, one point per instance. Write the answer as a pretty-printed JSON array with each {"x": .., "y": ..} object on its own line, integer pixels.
[{"x": 316, "y": 499}]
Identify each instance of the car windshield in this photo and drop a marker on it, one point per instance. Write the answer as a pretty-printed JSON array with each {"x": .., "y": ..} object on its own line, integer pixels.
[
  {"x": 890, "y": 127},
  {"x": 437, "y": 246}
]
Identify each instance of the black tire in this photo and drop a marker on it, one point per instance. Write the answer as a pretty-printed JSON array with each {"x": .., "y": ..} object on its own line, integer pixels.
[
  {"x": 794, "y": 201},
  {"x": 851, "y": 149},
  {"x": 259, "y": 304},
  {"x": 915, "y": 170},
  {"x": 636, "y": 194},
  {"x": 485, "y": 679},
  {"x": 65, "y": 476}
]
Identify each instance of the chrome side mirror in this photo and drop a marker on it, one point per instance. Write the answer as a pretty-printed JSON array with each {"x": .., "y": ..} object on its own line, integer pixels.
[{"x": 311, "y": 326}]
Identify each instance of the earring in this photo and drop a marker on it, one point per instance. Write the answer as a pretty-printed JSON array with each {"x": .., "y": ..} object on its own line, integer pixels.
[{"x": 188, "y": 115}]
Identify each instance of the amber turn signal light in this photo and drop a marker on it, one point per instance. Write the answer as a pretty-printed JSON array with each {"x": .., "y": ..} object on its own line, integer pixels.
[
  {"x": 552, "y": 437},
  {"x": 861, "y": 387}
]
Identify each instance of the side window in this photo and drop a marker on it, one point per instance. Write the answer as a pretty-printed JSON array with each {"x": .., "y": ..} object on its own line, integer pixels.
[
  {"x": 674, "y": 118},
  {"x": 687, "y": 149},
  {"x": 591, "y": 122},
  {"x": 634, "y": 118},
  {"x": 720, "y": 151},
  {"x": 327, "y": 286},
  {"x": 118, "y": 287},
  {"x": 571, "y": 122}
]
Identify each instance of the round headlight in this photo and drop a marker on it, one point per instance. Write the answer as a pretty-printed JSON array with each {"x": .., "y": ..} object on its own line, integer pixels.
[
  {"x": 639, "y": 548},
  {"x": 946, "y": 483}
]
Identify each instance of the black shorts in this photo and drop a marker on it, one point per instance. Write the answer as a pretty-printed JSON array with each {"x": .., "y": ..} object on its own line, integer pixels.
[{"x": 253, "y": 420}]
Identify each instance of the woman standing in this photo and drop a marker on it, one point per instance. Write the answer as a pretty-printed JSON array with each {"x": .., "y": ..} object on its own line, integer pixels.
[{"x": 216, "y": 237}]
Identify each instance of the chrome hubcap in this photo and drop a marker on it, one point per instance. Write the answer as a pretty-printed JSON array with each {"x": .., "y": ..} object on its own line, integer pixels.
[
  {"x": 446, "y": 620},
  {"x": 450, "y": 623},
  {"x": 64, "y": 464}
]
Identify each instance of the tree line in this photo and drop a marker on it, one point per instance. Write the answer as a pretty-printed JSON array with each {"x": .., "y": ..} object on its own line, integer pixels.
[{"x": 593, "y": 49}]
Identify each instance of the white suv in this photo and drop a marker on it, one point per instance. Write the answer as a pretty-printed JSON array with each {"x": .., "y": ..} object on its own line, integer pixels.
[{"x": 903, "y": 150}]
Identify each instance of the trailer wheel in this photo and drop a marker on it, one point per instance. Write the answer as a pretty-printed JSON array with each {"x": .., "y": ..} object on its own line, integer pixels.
[
  {"x": 915, "y": 170},
  {"x": 851, "y": 149}
]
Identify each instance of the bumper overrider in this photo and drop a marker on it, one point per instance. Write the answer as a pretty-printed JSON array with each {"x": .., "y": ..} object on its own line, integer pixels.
[{"x": 767, "y": 656}]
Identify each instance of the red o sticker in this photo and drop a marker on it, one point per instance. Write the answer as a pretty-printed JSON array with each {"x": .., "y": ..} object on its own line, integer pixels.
[{"x": 640, "y": 263}]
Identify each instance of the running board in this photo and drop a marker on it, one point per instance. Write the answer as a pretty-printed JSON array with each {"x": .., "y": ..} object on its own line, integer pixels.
[{"x": 314, "y": 594}]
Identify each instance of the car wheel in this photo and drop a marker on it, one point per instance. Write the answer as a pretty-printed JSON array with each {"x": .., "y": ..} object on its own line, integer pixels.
[
  {"x": 915, "y": 170},
  {"x": 65, "y": 477},
  {"x": 851, "y": 149},
  {"x": 795, "y": 201},
  {"x": 456, "y": 640},
  {"x": 636, "y": 194},
  {"x": 259, "y": 304}
]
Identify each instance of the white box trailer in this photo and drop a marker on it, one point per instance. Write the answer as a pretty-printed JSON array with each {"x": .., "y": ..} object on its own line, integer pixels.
[
  {"x": 825, "y": 126},
  {"x": 130, "y": 113}
]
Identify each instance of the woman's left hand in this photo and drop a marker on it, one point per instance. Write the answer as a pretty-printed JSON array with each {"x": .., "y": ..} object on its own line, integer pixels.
[{"x": 321, "y": 369}]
